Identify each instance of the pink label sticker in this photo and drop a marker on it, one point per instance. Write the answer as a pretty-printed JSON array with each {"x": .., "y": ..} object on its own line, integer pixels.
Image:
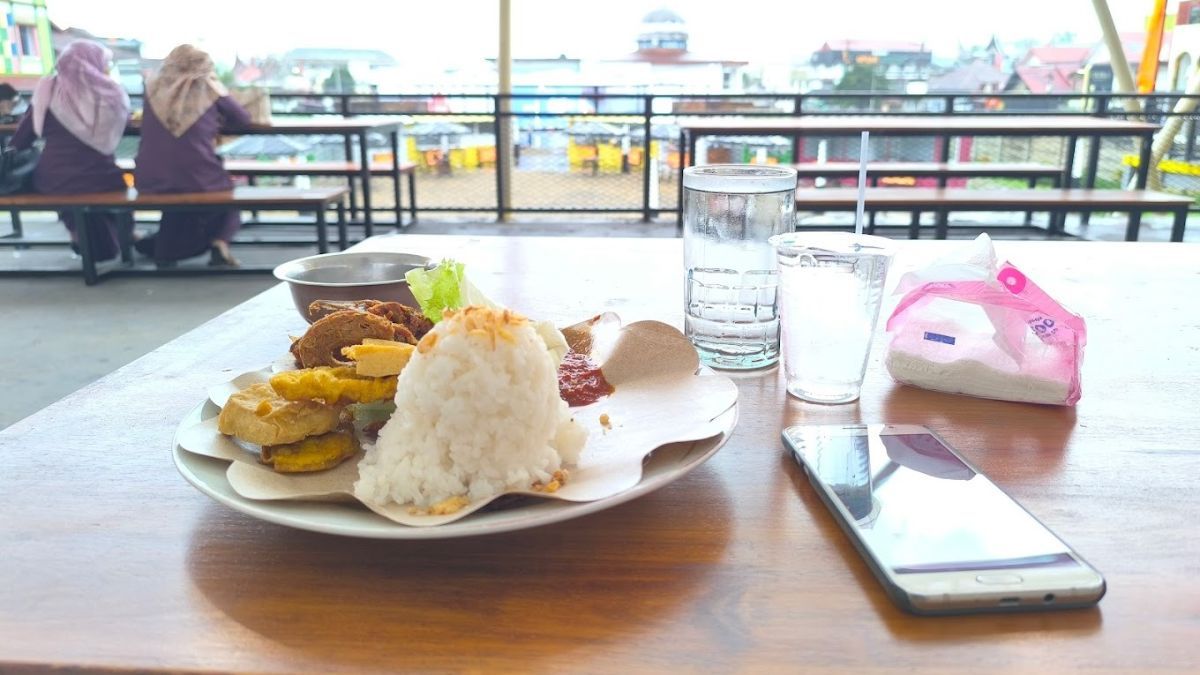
[{"x": 1012, "y": 279}]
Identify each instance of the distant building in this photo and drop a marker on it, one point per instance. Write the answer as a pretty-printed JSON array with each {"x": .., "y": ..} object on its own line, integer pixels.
[
  {"x": 313, "y": 66},
  {"x": 25, "y": 38},
  {"x": 662, "y": 62},
  {"x": 1098, "y": 72},
  {"x": 127, "y": 54},
  {"x": 1049, "y": 69},
  {"x": 897, "y": 64},
  {"x": 1185, "y": 45}
]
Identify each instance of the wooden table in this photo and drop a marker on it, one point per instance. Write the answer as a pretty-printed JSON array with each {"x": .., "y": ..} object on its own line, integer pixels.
[
  {"x": 945, "y": 127},
  {"x": 108, "y": 559}
]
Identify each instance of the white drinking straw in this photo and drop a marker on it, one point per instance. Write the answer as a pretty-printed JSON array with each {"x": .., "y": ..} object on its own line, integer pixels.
[{"x": 862, "y": 182}]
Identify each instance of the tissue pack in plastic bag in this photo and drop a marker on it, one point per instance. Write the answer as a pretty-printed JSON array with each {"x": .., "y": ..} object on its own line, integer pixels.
[{"x": 968, "y": 325}]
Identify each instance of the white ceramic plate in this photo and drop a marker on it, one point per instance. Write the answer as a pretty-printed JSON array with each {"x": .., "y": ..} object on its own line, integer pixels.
[{"x": 665, "y": 465}]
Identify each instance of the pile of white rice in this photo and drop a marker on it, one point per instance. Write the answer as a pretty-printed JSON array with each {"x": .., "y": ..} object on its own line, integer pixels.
[{"x": 477, "y": 414}]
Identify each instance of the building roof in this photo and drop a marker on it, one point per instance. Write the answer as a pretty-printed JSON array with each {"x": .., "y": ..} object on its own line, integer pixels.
[
  {"x": 1050, "y": 55},
  {"x": 660, "y": 56},
  {"x": 872, "y": 46},
  {"x": 969, "y": 78},
  {"x": 123, "y": 49},
  {"x": 373, "y": 57},
  {"x": 1046, "y": 79}
]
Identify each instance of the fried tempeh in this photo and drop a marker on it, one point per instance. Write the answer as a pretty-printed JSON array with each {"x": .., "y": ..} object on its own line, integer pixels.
[
  {"x": 333, "y": 385},
  {"x": 315, "y": 453},
  {"x": 260, "y": 416}
]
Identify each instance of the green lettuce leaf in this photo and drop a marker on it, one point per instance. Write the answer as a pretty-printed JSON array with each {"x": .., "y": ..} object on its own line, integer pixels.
[
  {"x": 447, "y": 287},
  {"x": 444, "y": 287}
]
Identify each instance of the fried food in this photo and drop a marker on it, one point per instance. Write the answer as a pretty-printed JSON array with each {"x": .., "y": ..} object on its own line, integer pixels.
[
  {"x": 322, "y": 344},
  {"x": 333, "y": 385},
  {"x": 378, "y": 358},
  {"x": 260, "y": 416},
  {"x": 319, "y": 309},
  {"x": 342, "y": 324},
  {"x": 316, "y": 453},
  {"x": 414, "y": 322}
]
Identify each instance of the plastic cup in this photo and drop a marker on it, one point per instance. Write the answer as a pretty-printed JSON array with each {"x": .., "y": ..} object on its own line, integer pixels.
[{"x": 831, "y": 288}]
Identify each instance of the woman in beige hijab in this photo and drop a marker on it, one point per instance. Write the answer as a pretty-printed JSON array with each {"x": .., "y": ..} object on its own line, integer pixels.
[{"x": 186, "y": 108}]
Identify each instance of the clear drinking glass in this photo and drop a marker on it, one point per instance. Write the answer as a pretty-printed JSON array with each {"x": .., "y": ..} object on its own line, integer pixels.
[
  {"x": 831, "y": 288},
  {"x": 730, "y": 211}
]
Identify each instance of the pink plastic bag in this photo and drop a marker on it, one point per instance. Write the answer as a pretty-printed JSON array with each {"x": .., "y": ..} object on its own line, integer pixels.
[{"x": 970, "y": 326}]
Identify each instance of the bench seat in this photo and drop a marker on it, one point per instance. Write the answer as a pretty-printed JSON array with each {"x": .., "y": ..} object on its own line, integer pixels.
[
  {"x": 1031, "y": 170},
  {"x": 312, "y": 200},
  {"x": 1056, "y": 201}
]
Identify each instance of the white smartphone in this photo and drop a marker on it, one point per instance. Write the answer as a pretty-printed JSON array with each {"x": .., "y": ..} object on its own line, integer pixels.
[{"x": 939, "y": 536}]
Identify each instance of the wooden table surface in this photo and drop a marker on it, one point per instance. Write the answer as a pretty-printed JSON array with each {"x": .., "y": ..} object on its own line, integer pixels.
[
  {"x": 108, "y": 559},
  {"x": 929, "y": 125}
]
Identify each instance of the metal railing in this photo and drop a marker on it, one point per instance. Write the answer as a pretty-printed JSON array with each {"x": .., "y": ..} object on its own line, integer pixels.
[{"x": 648, "y": 125}]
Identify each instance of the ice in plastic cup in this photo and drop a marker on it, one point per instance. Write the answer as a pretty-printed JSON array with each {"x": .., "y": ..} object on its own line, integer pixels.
[{"x": 831, "y": 287}]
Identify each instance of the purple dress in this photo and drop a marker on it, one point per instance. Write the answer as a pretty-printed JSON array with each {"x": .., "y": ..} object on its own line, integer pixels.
[
  {"x": 68, "y": 166},
  {"x": 189, "y": 163}
]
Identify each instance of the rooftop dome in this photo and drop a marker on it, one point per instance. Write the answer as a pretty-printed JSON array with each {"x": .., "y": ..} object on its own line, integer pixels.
[
  {"x": 663, "y": 29},
  {"x": 662, "y": 15}
]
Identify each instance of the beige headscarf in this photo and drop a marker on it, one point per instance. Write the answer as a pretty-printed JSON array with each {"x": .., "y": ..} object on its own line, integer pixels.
[{"x": 184, "y": 89}]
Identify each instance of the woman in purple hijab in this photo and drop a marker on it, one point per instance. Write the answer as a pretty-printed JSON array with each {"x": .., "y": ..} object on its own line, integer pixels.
[
  {"x": 186, "y": 108},
  {"x": 80, "y": 112}
]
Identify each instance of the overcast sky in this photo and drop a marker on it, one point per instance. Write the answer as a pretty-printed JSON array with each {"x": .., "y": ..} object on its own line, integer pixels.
[{"x": 459, "y": 31}]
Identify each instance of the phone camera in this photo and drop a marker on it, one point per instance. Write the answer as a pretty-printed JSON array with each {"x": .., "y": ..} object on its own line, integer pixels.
[{"x": 1048, "y": 598}]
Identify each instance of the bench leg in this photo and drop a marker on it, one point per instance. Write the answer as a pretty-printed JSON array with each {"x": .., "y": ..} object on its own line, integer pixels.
[
  {"x": 322, "y": 230},
  {"x": 412, "y": 196},
  {"x": 125, "y": 236},
  {"x": 17, "y": 230},
  {"x": 394, "y": 137},
  {"x": 1053, "y": 224},
  {"x": 341, "y": 225},
  {"x": 83, "y": 238},
  {"x": 1029, "y": 214},
  {"x": 353, "y": 197},
  {"x": 943, "y": 223},
  {"x": 1089, "y": 178},
  {"x": 1179, "y": 225},
  {"x": 348, "y": 148},
  {"x": 1135, "y": 223},
  {"x": 252, "y": 181},
  {"x": 914, "y": 226},
  {"x": 364, "y": 157}
]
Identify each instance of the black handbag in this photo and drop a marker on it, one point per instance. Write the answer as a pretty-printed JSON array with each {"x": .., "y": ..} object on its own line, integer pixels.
[{"x": 16, "y": 169}]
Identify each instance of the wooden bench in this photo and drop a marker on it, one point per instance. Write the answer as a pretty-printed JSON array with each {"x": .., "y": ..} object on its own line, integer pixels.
[
  {"x": 349, "y": 170},
  {"x": 1057, "y": 202},
  {"x": 1028, "y": 170},
  {"x": 310, "y": 200},
  {"x": 943, "y": 171}
]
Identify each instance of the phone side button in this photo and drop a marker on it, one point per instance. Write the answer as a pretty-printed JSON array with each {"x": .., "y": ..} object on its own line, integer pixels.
[{"x": 999, "y": 579}]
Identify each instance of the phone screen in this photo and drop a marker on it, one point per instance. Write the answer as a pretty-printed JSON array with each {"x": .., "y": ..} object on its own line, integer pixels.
[{"x": 921, "y": 509}]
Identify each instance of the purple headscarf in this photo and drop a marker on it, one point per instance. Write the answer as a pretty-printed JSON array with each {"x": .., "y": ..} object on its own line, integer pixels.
[{"x": 83, "y": 98}]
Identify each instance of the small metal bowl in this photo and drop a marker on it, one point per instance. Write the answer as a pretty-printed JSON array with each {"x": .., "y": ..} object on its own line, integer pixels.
[{"x": 376, "y": 275}]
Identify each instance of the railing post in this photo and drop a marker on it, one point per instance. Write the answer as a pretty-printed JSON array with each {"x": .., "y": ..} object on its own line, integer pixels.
[
  {"x": 499, "y": 130},
  {"x": 647, "y": 111}
]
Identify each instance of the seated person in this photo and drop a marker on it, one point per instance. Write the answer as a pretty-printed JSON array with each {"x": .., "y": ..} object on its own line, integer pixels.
[
  {"x": 80, "y": 113},
  {"x": 12, "y": 106},
  {"x": 186, "y": 108}
]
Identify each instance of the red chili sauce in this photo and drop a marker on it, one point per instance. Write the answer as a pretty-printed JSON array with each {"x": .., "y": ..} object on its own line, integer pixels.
[{"x": 580, "y": 381}]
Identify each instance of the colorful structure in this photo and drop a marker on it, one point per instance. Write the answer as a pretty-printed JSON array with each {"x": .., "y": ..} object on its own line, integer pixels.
[{"x": 25, "y": 39}]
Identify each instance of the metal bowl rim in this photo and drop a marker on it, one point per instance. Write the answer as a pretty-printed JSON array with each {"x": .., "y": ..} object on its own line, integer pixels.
[{"x": 283, "y": 270}]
